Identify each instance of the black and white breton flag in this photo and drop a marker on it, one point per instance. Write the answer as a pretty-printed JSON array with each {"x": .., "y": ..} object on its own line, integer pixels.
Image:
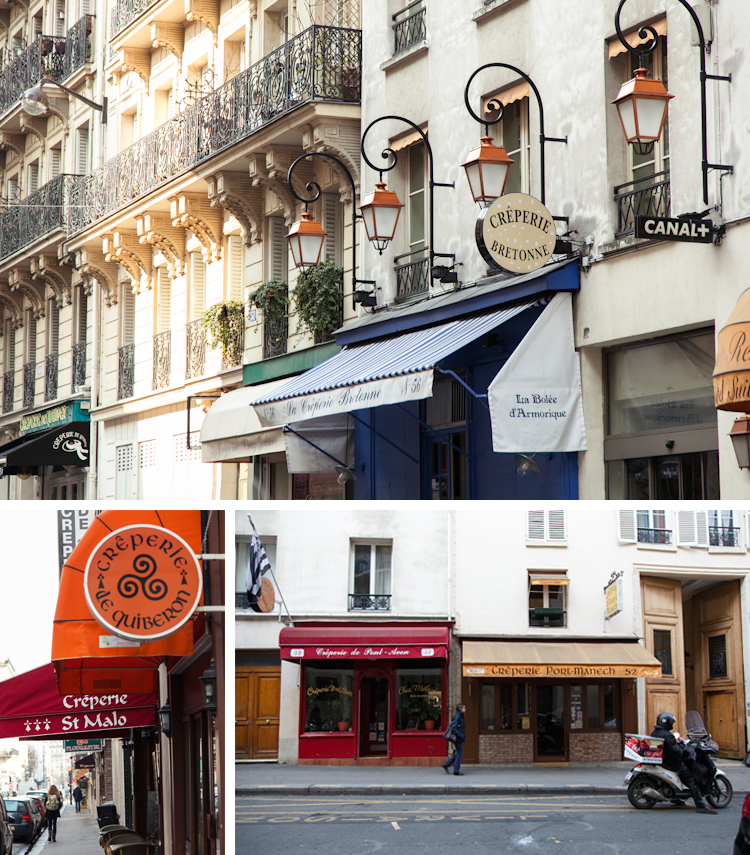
[{"x": 257, "y": 566}]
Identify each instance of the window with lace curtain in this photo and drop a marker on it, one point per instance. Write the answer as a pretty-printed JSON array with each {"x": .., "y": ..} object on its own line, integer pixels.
[{"x": 370, "y": 580}]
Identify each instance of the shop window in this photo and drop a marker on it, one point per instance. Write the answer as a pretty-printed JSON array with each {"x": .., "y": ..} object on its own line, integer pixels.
[
  {"x": 242, "y": 564},
  {"x": 547, "y": 598},
  {"x": 545, "y": 527},
  {"x": 717, "y": 657},
  {"x": 663, "y": 650},
  {"x": 647, "y": 527},
  {"x": 505, "y": 707},
  {"x": 593, "y": 706},
  {"x": 329, "y": 699},
  {"x": 370, "y": 586},
  {"x": 420, "y": 699}
]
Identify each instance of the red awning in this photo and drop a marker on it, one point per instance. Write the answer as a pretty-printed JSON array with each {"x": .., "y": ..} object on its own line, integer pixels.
[
  {"x": 30, "y": 706},
  {"x": 335, "y": 643}
]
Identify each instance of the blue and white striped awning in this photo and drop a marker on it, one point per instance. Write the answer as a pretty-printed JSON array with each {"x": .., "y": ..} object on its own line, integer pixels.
[{"x": 383, "y": 372}]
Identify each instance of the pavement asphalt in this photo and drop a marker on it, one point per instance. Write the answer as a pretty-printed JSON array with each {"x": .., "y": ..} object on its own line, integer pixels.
[
  {"x": 254, "y": 779},
  {"x": 77, "y": 834}
]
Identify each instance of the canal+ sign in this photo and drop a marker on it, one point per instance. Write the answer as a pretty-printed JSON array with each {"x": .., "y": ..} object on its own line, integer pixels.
[{"x": 692, "y": 229}]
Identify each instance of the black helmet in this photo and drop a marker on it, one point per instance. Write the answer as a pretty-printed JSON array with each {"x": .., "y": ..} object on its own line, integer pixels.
[{"x": 665, "y": 720}]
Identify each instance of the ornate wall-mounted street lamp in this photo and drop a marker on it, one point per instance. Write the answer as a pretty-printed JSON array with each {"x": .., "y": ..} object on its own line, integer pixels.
[
  {"x": 306, "y": 236},
  {"x": 384, "y": 205},
  {"x": 494, "y": 158},
  {"x": 642, "y": 102},
  {"x": 208, "y": 687},
  {"x": 35, "y": 102}
]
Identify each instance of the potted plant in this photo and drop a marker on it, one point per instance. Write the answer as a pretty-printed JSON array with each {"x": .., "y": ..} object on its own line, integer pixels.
[
  {"x": 430, "y": 714},
  {"x": 272, "y": 298},
  {"x": 318, "y": 300},
  {"x": 224, "y": 327}
]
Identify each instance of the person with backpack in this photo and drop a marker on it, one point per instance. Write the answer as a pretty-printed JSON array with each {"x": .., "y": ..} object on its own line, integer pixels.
[{"x": 54, "y": 802}]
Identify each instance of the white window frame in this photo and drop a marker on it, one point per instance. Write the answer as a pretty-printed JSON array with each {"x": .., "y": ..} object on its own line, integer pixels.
[
  {"x": 546, "y": 528},
  {"x": 242, "y": 555},
  {"x": 521, "y": 155},
  {"x": 629, "y": 521},
  {"x": 564, "y": 582},
  {"x": 373, "y": 545}
]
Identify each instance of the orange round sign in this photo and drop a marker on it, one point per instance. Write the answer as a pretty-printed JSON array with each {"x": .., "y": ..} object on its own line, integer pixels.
[{"x": 142, "y": 582}]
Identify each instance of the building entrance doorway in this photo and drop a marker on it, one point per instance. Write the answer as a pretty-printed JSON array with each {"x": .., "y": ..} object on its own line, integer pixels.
[
  {"x": 550, "y": 743},
  {"x": 373, "y": 717}
]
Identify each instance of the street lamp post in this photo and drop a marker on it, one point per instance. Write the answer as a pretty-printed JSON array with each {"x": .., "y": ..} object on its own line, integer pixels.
[
  {"x": 35, "y": 102},
  {"x": 496, "y": 105},
  {"x": 388, "y": 153},
  {"x": 306, "y": 236},
  {"x": 649, "y": 47}
]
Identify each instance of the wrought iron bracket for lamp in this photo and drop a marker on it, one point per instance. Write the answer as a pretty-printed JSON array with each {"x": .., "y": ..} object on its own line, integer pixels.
[
  {"x": 314, "y": 188},
  {"x": 496, "y": 105},
  {"x": 649, "y": 47},
  {"x": 101, "y": 107},
  {"x": 389, "y": 153}
]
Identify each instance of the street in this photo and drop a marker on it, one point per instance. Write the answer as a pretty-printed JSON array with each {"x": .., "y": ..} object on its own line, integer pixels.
[{"x": 565, "y": 825}]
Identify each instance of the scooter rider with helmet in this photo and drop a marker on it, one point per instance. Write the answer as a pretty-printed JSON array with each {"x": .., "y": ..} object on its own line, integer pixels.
[{"x": 673, "y": 759}]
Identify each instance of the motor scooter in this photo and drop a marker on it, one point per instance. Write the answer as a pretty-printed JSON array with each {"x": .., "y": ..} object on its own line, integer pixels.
[{"x": 651, "y": 783}]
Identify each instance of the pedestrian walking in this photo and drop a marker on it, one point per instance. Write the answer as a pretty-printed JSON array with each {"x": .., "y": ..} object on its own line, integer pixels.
[
  {"x": 54, "y": 801},
  {"x": 457, "y": 726},
  {"x": 78, "y": 798}
]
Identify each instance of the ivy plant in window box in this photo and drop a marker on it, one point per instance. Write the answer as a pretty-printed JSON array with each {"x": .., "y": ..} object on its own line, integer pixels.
[
  {"x": 272, "y": 298},
  {"x": 224, "y": 327},
  {"x": 318, "y": 299}
]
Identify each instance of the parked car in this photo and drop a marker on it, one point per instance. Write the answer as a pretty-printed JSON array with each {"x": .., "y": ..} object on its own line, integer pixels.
[
  {"x": 40, "y": 803},
  {"x": 24, "y": 816},
  {"x": 6, "y": 831},
  {"x": 41, "y": 793},
  {"x": 742, "y": 841}
]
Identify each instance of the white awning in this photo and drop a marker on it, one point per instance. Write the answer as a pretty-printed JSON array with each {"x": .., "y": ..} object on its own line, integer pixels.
[
  {"x": 390, "y": 371},
  {"x": 616, "y": 47}
]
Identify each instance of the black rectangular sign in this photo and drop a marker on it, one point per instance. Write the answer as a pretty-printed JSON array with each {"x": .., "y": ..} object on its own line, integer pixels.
[{"x": 692, "y": 229}]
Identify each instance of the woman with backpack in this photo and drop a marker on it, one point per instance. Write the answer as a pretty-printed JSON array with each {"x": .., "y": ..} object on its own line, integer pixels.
[{"x": 54, "y": 802}]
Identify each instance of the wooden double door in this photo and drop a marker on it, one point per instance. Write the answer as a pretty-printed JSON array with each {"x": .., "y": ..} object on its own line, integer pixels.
[{"x": 256, "y": 718}]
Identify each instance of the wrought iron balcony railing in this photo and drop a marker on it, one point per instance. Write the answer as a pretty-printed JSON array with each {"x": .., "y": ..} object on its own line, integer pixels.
[
  {"x": 195, "y": 349},
  {"x": 723, "y": 536},
  {"x": 411, "y": 277},
  {"x": 232, "y": 356},
  {"x": 639, "y": 199},
  {"x": 46, "y": 56},
  {"x": 381, "y": 602},
  {"x": 162, "y": 359},
  {"x": 275, "y": 337},
  {"x": 654, "y": 535},
  {"x": 79, "y": 365},
  {"x": 409, "y": 26},
  {"x": 320, "y": 64},
  {"x": 29, "y": 384},
  {"x": 50, "y": 377},
  {"x": 37, "y": 215},
  {"x": 547, "y": 617},
  {"x": 8, "y": 389},
  {"x": 125, "y": 371},
  {"x": 124, "y": 12}
]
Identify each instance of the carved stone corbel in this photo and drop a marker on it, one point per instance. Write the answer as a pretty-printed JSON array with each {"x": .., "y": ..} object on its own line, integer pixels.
[
  {"x": 275, "y": 180},
  {"x": 205, "y": 11},
  {"x": 12, "y": 142},
  {"x": 46, "y": 269},
  {"x": 122, "y": 247},
  {"x": 243, "y": 199},
  {"x": 137, "y": 60},
  {"x": 18, "y": 281},
  {"x": 342, "y": 141},
  {"x": 28, "y": 127},
  {"x": 159, "y": 232},
  {"x": 194, "y": 212},
  {"x": 169, "y": 36},
  {"x": 10, "y": 304},
  {"x": 94, "y": 264}
]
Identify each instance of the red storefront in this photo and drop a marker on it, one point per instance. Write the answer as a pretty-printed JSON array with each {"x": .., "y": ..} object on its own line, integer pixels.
[{"x": 373, "y": 694}]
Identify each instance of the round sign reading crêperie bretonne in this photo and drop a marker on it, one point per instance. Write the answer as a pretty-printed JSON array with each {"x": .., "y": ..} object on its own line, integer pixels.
[
  {"x": 517, "y": 233},
  {"x": 142, "y": 582}
]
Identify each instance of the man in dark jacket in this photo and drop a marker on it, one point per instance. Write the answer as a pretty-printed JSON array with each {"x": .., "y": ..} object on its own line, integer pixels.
[
  {"x": 457, "y": 726},
  {"x": 78, "y": 798},
  {"x": 673, "y": 759}
]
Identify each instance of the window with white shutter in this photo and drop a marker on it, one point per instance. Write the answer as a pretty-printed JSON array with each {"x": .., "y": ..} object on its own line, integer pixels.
[
  {"x": 32, "y": 184},
  {"x": 692, "y": 528},
  {"x": 236, "y": 269},
  {"x": 198, "y": 271},
  {"x": 548, "y": 527},
  {"x": 9, "y": 346},
  {"x": 30, "y": 337},
  {"x": 124, "y": 471},
  {"x": 164, "y": 296},
  {"x": 277, "y": 255},
  {"x": 333, "y": 216},
  {"x": 82, "y": 150},
  {"x": 626, "y": 532},
  {"x": 127, "y": 314},
  {"x": 53, "y": 327},
  {"x": 55, "y": 162}
]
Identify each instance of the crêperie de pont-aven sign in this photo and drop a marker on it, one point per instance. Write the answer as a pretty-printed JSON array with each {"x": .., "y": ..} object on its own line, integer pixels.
[
  {"x": 142, "y": 582},
  {"x": 516, "y": 233}
]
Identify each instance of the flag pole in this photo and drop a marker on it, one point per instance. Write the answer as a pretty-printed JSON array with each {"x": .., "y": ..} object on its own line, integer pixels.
[{"x": 258, "y": 566}]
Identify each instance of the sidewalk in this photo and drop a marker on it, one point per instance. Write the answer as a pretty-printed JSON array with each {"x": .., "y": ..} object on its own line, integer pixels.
[
  {"x": 252, "y": 779},
  {"x": 77, "y": 834}
]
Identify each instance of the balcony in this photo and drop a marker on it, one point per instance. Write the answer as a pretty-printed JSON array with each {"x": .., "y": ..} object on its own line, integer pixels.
[
  {"x": 29, "y": 384},
  {"x": 723, "y": 536},
  {"x": 547, "y": 617},
  {"x": 37, "y": 215},
  {"x": 409, "y": 26},
  {"x": 125, "y": 371},
  {"x": 8, "y": 381},
  {"x": 369, "y": 602},
  {"x": 411, "y": 276},
  {"x": 50, "y": 377},
  {"x": 124, "y": 12},
  {"x": 79, "y": 365},
  {"x": 654, "y": 535},
  {"x": 322, "y": 64},
  {"x": 275, "y": 338},
  {"x": 637, "y": 199},
  {"x": 195, "y": 349},
  {"x": 46, "y": 56},
  {"x": 162, "y": 343}
]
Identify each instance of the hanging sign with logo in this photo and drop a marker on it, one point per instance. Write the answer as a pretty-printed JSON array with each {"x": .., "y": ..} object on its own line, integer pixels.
[
  {"x": 692, "y": 229},
  {"x": 516, "y": 233},
  {"x": 83, "y": 746},
  {"x": 613, "y": 595},
  {"x": 142, "y": 583}
]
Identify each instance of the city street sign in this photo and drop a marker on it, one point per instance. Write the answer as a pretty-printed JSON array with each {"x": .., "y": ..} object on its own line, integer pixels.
[
  {"x": 691, "y": 229},
  {"x": 83, "y": 746}
]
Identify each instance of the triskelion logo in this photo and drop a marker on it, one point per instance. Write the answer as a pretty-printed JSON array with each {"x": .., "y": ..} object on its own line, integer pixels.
[{"x": 142, "y": 582}]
